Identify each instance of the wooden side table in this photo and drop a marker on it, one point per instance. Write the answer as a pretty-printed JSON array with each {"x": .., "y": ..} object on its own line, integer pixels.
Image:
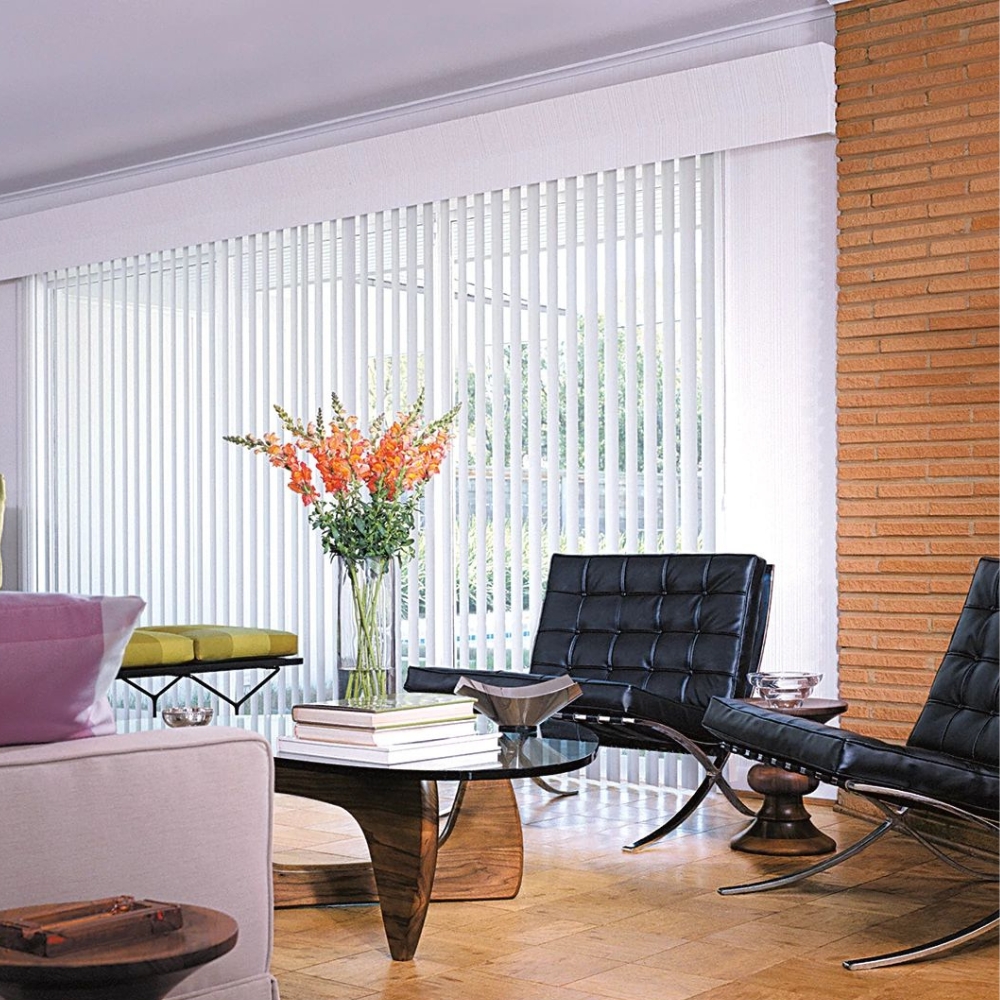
[
  {"x": 139, "y": 970},
  {"x": 783, "y": 826}
]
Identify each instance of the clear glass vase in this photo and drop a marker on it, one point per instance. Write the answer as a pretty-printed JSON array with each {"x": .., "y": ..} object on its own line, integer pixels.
[{"x": 367, "y": 640}]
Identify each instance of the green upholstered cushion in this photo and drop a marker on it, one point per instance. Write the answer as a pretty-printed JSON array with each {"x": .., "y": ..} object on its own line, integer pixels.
[
  {"x": 150, "y": 647},
  {"x": 231, "y": 642}
]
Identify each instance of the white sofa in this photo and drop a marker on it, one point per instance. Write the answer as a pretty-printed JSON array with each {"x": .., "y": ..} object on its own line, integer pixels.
[{"x": 176, "y": 815}]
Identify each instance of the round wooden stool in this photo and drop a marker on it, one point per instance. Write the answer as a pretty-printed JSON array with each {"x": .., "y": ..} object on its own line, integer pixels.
[{"x": 782, "y": 826}]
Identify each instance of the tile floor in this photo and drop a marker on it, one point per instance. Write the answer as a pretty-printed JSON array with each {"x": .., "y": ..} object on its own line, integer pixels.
[{"x": 593, "y": 923}]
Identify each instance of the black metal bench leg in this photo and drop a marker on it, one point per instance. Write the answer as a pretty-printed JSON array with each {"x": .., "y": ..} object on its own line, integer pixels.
[{"x": 153, "y": 696}]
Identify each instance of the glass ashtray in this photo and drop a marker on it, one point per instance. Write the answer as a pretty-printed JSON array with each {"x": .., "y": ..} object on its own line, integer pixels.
[
  {"x": 187, "y": 715},
  {"x": 784, "y": 690}
]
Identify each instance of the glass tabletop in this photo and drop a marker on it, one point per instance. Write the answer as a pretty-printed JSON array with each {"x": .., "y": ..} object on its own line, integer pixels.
[{"x": 565, "y": 746}]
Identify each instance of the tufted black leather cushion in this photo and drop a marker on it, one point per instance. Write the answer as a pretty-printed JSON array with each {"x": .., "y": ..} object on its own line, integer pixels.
[
  {"x": 647, "y": 636},
  {"x": 960, "y": 717},
  {"x": 680, "y": 628},
  {"x": 951, "y": 754},
  {"x": 839, "y": 756}
]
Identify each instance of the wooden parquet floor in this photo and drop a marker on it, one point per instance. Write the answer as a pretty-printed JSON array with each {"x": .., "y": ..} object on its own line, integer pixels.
[{"x": 593, "y": 923}]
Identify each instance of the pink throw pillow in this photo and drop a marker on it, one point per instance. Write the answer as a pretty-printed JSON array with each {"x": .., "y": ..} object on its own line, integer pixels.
[{"x": 59, "y": 654}]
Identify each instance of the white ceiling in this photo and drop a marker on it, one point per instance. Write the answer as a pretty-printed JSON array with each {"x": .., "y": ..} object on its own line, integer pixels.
[{"x": 101, "y": 85}]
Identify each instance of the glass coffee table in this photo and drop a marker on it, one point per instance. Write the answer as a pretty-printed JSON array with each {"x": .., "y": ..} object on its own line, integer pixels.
[{"x": 477, "y": 853}]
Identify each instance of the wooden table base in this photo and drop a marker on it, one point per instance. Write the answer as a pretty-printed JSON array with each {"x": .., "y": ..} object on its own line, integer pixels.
[
  {"x": 479, "y": 856},
  {"x": 782, "y": 826},
  {"x": 143, "y": 969}
]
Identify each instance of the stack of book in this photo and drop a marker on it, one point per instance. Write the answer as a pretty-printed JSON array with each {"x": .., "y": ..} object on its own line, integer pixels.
[{"x": 408, "y": 729}]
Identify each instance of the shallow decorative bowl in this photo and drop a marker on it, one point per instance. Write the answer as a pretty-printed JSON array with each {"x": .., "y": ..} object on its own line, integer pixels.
[
  {"x": 187, "y": 715},
  {"x": 785, "y": 690}
]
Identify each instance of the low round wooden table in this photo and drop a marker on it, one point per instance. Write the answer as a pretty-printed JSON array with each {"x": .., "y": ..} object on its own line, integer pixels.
[
  {"x": 139, "y": 970},
  {"x": 783, "y": 826}
]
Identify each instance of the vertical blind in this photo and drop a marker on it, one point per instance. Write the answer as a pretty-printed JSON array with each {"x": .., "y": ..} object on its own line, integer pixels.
[{"x": 572, "y": 319}]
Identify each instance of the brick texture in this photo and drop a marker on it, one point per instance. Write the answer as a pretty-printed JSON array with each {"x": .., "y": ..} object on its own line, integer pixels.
[{"x": 917, "y": 88}]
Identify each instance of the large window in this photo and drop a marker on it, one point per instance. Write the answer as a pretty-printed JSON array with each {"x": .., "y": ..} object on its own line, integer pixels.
[{"x": 574, "y": 321}]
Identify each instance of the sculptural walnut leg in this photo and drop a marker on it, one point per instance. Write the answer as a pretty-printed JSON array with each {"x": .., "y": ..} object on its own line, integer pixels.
[
  {"x": 399, "y": 819},
  {"x": 403, "y": 847},
  {"x": 481, "y": 852},
  {"x": 480, "y": 856}
]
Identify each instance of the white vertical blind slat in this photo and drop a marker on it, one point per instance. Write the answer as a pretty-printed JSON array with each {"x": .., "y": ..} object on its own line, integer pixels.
[
  {"x": 462, "y": 432},
  {"x": 592, "y": 489},
  {"x": 479, "y": 368},
  {"x": 442, "y": 495},
  {"x": 534, "y": 392},
  {"x": 669, "y": 262},
  {"x": 612, "y": 530},
  {"x": 412, "y": 389},
  {"x": 498, "y": 405},
  {"x": 515, "y": 461},
  {"x": 429, "y": 383},
  {"x": 572, "y": 383},
  {"x": 631, "y": 371},
  {"x": 552, "y": 436},
  {"x": 650, "y": 387},
  {"x": 706, "y": 284},
  {"x": 688, "y": 358}
]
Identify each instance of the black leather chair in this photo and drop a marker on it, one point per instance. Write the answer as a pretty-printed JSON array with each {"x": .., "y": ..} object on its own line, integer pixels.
[
  {"x": 650, "y": 639},
  {"x": 948, "y": 765}
]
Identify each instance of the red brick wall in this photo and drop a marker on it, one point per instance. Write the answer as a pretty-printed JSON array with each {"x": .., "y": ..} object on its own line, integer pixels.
[{"x": 917, "y": 339}]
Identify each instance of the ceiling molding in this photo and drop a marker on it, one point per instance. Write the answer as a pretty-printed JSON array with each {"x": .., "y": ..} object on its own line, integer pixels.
[
  {"x": 765, "y": 98},
  {"x": 524, "y": 89}
]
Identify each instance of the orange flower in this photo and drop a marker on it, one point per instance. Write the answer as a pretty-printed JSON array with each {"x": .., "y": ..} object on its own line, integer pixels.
[{"x": 391, "y": 467}]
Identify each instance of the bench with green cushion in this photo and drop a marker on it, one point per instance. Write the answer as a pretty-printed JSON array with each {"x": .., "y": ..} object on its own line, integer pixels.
[{"x": 180, "y": 651}]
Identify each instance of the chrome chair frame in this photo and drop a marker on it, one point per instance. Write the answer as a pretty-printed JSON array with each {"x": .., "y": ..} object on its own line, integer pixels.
[{"x": 896, "y": 805}]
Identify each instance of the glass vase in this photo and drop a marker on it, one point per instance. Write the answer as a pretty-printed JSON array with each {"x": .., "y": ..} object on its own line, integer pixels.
[{"x": 367, "y": 641}]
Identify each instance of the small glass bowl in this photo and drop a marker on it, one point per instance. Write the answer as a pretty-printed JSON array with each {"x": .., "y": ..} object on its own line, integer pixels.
[
  {"x": 187, "y": 715},
  {"x": 785, "y": 690}
]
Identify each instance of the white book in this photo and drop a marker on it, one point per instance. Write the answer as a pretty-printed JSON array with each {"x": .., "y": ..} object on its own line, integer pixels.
[
  {"x": 485, "y": 744},
  {"x": 386, "y": 737},
  {"x": 402, "y": 710}
]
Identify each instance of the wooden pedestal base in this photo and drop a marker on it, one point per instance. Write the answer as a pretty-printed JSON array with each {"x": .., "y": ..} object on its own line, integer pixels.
[
  {"x": 143, "y": 969},
  {"x": 782, "y": 826}
]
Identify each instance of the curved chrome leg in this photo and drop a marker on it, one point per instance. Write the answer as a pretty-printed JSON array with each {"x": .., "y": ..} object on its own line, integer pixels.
[
  {"x": 894, "y": 804},
  {"x": 820, "y": 866},
  {"x": 970, "y": 933},
  {"x": 554, "y": 790},
  {"x": 714, "y": 778},
  {"x": 675, "y": 821},
  {"x": 713, "y": 767},
  {"x": 897, "y": 815}
]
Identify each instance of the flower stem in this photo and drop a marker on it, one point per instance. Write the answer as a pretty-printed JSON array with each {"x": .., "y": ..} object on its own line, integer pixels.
[{"x": 367, "y": 682}]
